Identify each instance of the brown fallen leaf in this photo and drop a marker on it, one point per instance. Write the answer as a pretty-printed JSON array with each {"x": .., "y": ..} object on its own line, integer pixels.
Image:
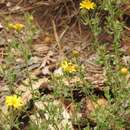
[
  {"x": 27, "y": 96},
  {"x": 90, "y": 105},
  {"x": 46, "y": 38},
  {"x": 45, "y": 88}
]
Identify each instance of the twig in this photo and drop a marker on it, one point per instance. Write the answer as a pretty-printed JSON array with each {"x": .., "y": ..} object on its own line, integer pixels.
[{"x": 56, "y": 35}]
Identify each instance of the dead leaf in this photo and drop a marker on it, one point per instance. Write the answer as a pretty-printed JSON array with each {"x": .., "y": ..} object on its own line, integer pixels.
[
  {"x": 46, "y": 71},
  {"x": 45, "y": 88},
  {"x": 58, "y": 72},
  {"x": 90, "y": 105},
  {"x": 27, "y": 96}
]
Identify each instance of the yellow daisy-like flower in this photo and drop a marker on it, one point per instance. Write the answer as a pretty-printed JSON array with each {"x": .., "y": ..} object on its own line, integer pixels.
[
  {"x": 68, "y": 67},
  {"x": 14, "y": 101},
  {"x": 87, "y": 4},
  {"x": 16, "y": 26}
]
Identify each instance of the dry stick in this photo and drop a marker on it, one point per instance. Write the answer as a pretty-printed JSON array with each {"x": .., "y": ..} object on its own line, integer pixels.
[
  {"x": 19, "y": 3},
  {"x": 128, "y": 28},
  {"x": 58, "y": 39},
  {"x": 63, "y": 33},
  {"x": 56, "y": 35}
]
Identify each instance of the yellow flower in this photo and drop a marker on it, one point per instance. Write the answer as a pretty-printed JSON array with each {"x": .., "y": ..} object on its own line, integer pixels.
[
  {"x": 16, "y": 26},
  {"x": 124, "y": 71},
  {"x": 14, "y": 101},
  {"x": 68, "y": 67},
  {"x": 87, "y": 4}
]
